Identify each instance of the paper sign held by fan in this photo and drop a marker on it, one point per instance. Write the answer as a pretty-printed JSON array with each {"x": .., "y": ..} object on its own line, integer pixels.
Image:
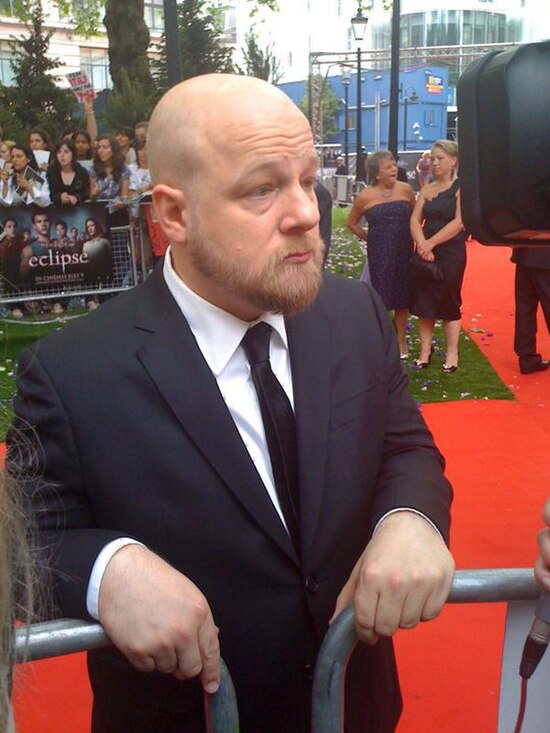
[{"x": 81, "y": 85}]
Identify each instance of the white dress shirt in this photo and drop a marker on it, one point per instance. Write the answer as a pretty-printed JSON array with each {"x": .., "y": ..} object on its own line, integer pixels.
[{"x": 219, "y": 335}]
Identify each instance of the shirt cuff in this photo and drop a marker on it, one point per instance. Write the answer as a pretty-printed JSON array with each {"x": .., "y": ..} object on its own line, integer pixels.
[
  {"x": 407, "y": 509},
  {"x": 98, "y": 570}
]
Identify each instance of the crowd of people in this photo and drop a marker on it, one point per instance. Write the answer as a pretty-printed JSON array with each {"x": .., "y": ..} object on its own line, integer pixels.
[{"x": 82, "y": 166}]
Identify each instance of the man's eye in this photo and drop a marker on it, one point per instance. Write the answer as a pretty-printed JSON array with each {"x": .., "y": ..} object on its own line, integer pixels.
[
  {"x": 308, "y": 184},
  {"x": 261, "y": 191}
]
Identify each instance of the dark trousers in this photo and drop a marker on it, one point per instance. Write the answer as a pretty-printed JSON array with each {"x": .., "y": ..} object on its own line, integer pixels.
[{"x": 531, "y": 288}]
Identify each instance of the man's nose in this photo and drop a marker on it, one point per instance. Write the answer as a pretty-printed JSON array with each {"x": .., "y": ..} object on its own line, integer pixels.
[{"x": 301, "y": 210}]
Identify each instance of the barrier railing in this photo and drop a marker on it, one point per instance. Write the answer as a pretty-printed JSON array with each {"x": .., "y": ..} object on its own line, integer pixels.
[
  {"x": 469, "y": 586},
  {"x": 66, "y": 636}
]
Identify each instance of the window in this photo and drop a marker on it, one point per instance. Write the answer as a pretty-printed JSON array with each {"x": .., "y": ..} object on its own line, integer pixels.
[
  {"x": 154, "y": 14},
  {"x": 6, "y": 73},
  {"x": 6, "y": 7},
  {"x": 443, "y": 28},
  {"x": 95, "y": 62},
  {"x": 230, "y": 24},
  {"x": 417, "y": 30}
]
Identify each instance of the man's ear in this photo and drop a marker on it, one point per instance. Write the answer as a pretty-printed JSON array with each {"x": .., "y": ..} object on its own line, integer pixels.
[{"x": 172, "y": 211}]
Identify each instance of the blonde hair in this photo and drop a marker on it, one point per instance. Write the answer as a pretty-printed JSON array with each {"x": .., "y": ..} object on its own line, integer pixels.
[
  {"x": 448, "y": 146},
  {"x": 16, "y": 584}
]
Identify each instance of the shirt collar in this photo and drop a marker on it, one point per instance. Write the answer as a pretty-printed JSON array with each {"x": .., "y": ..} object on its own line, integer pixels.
[{"x": 217, "y": 332}]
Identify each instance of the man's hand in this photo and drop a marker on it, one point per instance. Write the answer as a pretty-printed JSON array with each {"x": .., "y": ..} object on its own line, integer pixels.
[
  {"x": 158, "y": 618},
  {"x": 542, "y": 566},
  {"x": 404, "y": 576}
]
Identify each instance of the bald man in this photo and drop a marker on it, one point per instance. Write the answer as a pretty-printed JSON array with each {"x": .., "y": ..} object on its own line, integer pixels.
[{"x": 140, "y": 436}]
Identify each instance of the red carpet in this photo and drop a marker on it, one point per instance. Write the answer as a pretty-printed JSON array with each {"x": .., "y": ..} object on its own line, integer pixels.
[
  {"x": 497, "y": 460},
  {"x": 498, "y": 463}
]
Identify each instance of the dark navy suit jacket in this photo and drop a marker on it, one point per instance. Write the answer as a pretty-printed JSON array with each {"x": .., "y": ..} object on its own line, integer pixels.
[{"x": 121, "y": 430}]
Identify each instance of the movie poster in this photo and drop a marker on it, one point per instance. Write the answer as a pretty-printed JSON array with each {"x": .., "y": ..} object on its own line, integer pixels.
[{"x": 57, "y": 248}]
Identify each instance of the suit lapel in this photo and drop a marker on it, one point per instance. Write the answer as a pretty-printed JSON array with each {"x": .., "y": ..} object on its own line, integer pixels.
[
  {"x": 309, "y": 345},
  {"x": 174, "y": 362}
]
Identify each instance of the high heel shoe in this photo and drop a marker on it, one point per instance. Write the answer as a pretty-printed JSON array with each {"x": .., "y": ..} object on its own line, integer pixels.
[{"x": 419, "y": 364}]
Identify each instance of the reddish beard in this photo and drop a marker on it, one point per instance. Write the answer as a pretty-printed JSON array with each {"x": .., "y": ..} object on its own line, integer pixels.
[{"x": 279, "y": 285}]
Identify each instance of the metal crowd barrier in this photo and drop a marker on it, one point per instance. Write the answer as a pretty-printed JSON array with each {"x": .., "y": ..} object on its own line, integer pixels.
[
  {"x": 124, "y": 255},
  {"x": 56, "y": 638}
]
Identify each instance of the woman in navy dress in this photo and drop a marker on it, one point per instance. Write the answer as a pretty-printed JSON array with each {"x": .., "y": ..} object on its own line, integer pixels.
[
  {"x": 440, "y": 239},
  {"x": 386, "y": 204}
]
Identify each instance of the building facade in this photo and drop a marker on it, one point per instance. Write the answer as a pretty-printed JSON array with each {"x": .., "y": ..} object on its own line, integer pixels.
[
  {"x": 74, "y": 51},
  {"x": 303, "y": 27}
]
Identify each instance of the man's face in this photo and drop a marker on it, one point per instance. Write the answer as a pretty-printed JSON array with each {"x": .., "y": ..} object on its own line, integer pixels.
[
  {"x": 10, "y": 228},
  {"x": 61, "y": 231},
  {"x": 261, "y": 251},
  {"x": 42, "y": 225}
]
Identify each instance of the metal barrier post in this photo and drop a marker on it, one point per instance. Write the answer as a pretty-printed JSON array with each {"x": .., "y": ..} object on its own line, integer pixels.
[
  {"x": 487, "y": 586},
  {"x": 66, "y": 636}
]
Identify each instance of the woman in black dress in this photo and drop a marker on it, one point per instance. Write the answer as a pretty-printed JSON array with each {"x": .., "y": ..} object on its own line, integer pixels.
[{"x": 437, "y": 229}]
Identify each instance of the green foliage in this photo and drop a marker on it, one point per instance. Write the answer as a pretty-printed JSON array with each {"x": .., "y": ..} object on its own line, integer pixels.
[
  {"x": 128, "y": 104},
  {"x": 327, "y": 101},
  {"x": 260, "y": 62},
  {"x": 128, "y": 42},
  {"x": 35, "y": 99},
  {"x": 201, "y": 45}
]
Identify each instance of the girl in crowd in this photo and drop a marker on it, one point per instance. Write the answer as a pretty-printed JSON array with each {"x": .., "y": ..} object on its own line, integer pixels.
[
  {"x": 386, "y": 204},
  {"x": 110, "y": 179},
  {"x": 15, "y": 188},
  {"x": 140, "y": 180},
  {"x": 5, "y": 151},
  {"x": 39, "y": 140},
  {"x": 441, "y": 240},
  {"x": 140, "y": 183},
  {"x": 69, "y": 181},
  {"x": 83, "y": 143},
  {"x": 125, "y": 136}
]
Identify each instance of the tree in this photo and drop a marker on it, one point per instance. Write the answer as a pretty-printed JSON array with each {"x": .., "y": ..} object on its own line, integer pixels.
[
  {"x": 325, "y": 108},
  {"x": 201, "y": 44},
  {"x": 85, "y": 15},
  {"x": 128, "y": 104},
  {"x": 35, "y": 100},
  {"x": 128, "y": 43},
  {"x": 261, "y": 63}
]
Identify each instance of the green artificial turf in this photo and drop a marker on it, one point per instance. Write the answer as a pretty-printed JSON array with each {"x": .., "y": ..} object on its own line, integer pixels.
[{"x": 14, "y": 337}]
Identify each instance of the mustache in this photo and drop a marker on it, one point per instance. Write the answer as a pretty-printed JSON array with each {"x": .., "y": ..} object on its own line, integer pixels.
[{"x": 302, "y": 243}]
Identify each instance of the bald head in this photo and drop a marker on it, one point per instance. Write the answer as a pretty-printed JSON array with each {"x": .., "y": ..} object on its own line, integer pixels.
[{"x": 195, "y": 120}]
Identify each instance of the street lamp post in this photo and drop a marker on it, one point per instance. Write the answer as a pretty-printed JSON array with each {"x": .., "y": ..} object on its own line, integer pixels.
[
  {"x": 171, "y": 29},
  {"x": 359, "y": 26},
  {"x": 413, "y": 99},
  {"x": 346, "y": 73},
  {"x": 394, "y": 77}
]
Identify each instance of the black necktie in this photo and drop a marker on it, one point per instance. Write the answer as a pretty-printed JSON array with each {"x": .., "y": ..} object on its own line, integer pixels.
[{"x": 279, "y": 425}]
